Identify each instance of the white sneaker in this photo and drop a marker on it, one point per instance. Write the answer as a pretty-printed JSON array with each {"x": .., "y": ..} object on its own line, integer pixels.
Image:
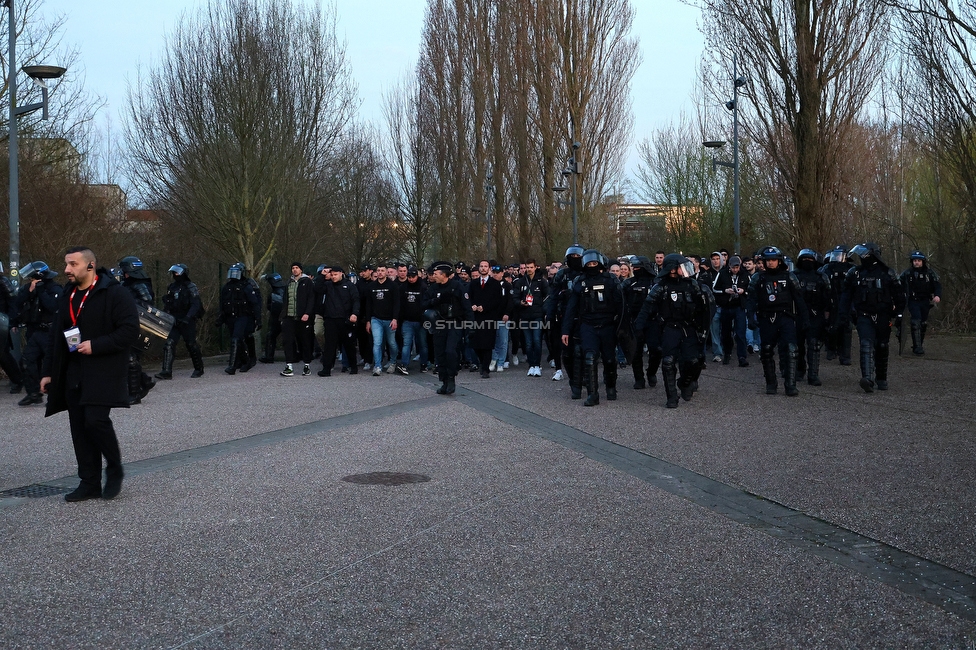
[
  {"x": 515, "y": 360},
  {"x": 493, "y": 366},
  {"x": 390, "y": 368},
  {"x": 558, "y": 375},
  {"x": 716, "y": 358},
  {"x": 531, "y": 372},
  {"x": 505, "y": 365},
  {"x": 377, "y": 372},
  {"x": 538, "y": 371},
  {"x": 552, "y": 364},
  {"x": 501, "y": 367},
  {"x": 367, "y": 367}
]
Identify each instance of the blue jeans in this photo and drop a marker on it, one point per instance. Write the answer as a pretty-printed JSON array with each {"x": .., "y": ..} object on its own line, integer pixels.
[
  {"x": 413, "y": 332},
  {"x": 716, "y": 332},
  {"x": 381, "y": 330},
  {"x": 500, "y": 353},
  {"x": 533, "y": 343}
]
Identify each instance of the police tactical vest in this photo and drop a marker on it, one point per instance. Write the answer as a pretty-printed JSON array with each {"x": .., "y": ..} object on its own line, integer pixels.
[
  {"x": 597, "y": 296},
  {"x": 235, "y": 301},
  {"x": 811, "y": 286},
  {"x": 775, "y": 294},
  {"x": 920, "y": 284},
  {"x": 678, "y": 304},
  {"x": 872, "y": 291}
]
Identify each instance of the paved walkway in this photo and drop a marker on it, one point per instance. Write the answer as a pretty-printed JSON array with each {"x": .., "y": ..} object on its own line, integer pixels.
[{"x": 835, "y": 519}]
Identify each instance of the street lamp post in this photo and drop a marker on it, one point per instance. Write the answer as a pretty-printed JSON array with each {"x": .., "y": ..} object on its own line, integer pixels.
[
  {"x": 571, "y": 169},
  {"x": 40, "y": 74},
  {"x": 733, "y": 105},
  {"x": 489, "y": 204}
]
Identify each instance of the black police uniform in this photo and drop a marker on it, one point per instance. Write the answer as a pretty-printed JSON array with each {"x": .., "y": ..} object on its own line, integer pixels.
[
  {"x": 240, "y": 307},
  {"x": 921, "y": 286},
  {"x": 635, "y": 290},
  {"x": 140, "y": 383},
  {"x": 451, "y": 308},
  {"x": 682, "y": 308},
  {"x": 556, "y": 304},
  {"x": 274, "y": 303},
  {"x": 775, "y": 302},
  {"x": 876, "y": 296},
  {"x": 816, "y": 297},
  {"x": 597, "y": 301},
  {"x": 8, "y": 319},
  {"x": 36, "y": 312},
  {"x": 838, "y": 327},
  {"x": 182, "y": 302}
]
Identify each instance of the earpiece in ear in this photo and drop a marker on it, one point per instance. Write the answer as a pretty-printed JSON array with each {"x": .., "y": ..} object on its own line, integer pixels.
[{"x": 90, "y": 266}]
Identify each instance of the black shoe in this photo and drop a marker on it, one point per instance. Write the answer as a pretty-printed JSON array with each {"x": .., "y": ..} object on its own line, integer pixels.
[
  {"x": 134, "y": 399},
  {"x": 743, "y": 362},
  {"x": 443, "y": 389},
  {"x": 196, "y": 374},
  {"x": 354, "y": 370},
  {"x": 265, "y": 360},
  {"x": 162, "y": 375},
  {"x": 639, "y": 384},
  {"x": 867, "y": 385},
  {"x": 325, "y": 373},
  {"x": 345, "y": 368},
  {"x": 687, "y": 393},
  {"x": 882, "y": 384},
  {"x": 770, "y": 389},
  {"x": 402, "y": 369},
  {"x": 113, "y": 485},
  {"x": 652, "y": 380},
  {"x": 791, "y": 391},
  {"x": 15, "y": 388},
  {"x": 82, "y": 493},
  {"x": 29, "y": 399},
  {"x": 726, "y": 358},
  {"x": 592, "y": 399},
  {"x": 450, "y": 387},
  {"x": 146, "y": 387},
  {"x": 612, "y": 394},
  {"x": 576, "y": 393},
  {"x": 814, "y": 381},
  {"x": 230, "y": 371},
  {"x": 485, "y": 374},
  {"x": 845, "y": 362}
]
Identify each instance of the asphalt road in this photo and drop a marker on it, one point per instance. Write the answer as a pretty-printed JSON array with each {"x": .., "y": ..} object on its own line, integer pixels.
[{"x": 739, "y": 520}]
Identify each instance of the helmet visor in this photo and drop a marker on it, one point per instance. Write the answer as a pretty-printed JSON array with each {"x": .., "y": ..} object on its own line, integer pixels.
[
  {"x": 860, "y": 250},
  {"x": 686, "y": 269},
  {"x": 837, "y": 256},
  {"x": 177, "y": 269}
]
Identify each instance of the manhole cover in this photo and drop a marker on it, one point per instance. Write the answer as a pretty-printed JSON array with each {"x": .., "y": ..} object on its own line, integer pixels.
[
  {"x": 35, "y": 491},
  {"x": 385, "y": 478}
]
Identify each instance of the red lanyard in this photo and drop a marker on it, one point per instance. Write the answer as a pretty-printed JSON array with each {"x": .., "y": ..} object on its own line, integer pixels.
[{"x": 71, "y": 306}]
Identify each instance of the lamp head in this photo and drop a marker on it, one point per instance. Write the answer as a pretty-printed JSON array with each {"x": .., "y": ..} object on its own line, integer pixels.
[{"x": 714, "y": 144}]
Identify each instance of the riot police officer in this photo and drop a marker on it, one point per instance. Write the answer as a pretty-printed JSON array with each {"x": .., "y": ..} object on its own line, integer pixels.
[
  {"x": 37, "y": 306},
  {"x": 876, "y": 295},
  {"x": 558, "y": 301},
  {"x": 182, "y": 302},
  {"x": 598, "y": 302},
  {"x": 775, "y": 305},
  {"x": 923, "y": 292},
  {"x": 8, "y": 320},
  {"x": 816, "y": 296},
  {"x": 838, "y": 336},
  {"x": 139, "y": 284},
  {"x": 240, "y": 307},
  {"x": 635, "y": 289},
  {"x": 274, "y": 303},
  {"x": 682, "y": 306},
  {"x": 447, "y": 308}
]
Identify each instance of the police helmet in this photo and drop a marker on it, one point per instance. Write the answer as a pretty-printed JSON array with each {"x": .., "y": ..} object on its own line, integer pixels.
[
  {"x": 274, "y": 279},
  {"x": 37, "y": 271},
  {"x": 686, "y": 268},
  {"x": 593, "y": 255},
  {"x": 117, "y": 273},
  {"x": 867, "y": 249},
  {"x": 236, "y": 271},
  {"x": 132, "y": 266},
  {"x": 915, "y": 255},
  {"x": 771, "y": 253},
  {"x": 178, "y": 269},
  {"x": 839, "y": 254},
  {"x": 642, "y": 263},
  {"x": 807, "y": 254},
  {"x": 1, "y": 267},
  {"x": 788, "y": 261}
]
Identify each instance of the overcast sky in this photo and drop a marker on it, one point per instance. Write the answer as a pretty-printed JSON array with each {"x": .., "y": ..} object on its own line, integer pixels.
[{"x": 116, "y": 36}]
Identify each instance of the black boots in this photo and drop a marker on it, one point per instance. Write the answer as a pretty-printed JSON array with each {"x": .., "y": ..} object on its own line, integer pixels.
[
  {"x": 269, "y": 350},
  {"x": 813, "y": 362},
  {"x": 769, "y": 369},
  {"x": 169, "y": 354},
  {"x": 232, "y": 357},
  {"x": 881, "y": 367},
  {"x": 917, "y": 334},
  {"x": 576, "y": 374},
  {"x": 670, "y": 373},
  {"x": 867, "y": 367},
  {"x": 592, "y": 380},
  {"x": 196, "y": 356},
  {"x": 789, "y": 374},
  {"x": 610, "y": 380}
]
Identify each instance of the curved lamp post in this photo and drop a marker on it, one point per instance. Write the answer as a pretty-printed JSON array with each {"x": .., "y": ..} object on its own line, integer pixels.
[{"x": 733, "y": 105}]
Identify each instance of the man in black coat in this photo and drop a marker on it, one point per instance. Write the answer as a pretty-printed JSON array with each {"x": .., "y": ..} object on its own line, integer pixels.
[
  {"x": 86, "y": 368},
  {"x": 339, "y": 307},
  {"x": 489, "y": 304}
]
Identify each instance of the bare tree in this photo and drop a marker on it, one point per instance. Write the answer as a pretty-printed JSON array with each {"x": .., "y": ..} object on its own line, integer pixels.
[
  {"x": 230, "y": 131},
  {"x": 811, "y": 67}
]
